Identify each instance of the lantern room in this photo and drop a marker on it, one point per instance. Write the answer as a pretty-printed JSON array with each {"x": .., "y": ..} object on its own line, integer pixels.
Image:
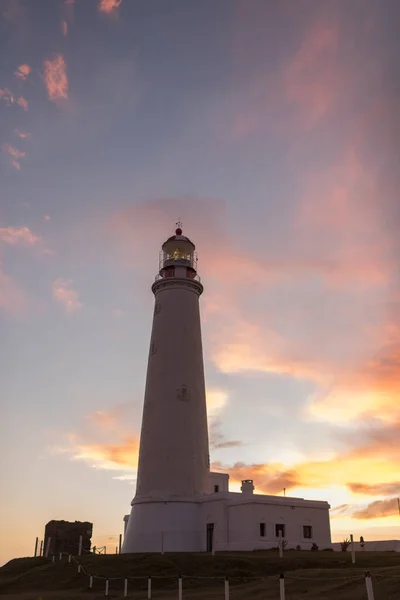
[{"x": 178, "y": 257}]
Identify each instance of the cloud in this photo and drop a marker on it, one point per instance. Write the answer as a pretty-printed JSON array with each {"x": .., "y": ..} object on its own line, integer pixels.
[
  {"x": 23, "y": 103},
  {"x": 110, "y": 456},
  {"x": 21, "y": 235},
  {"x": 375, "y": 490},
  {"x": 267, "y": 479},
  {"x": 109, "y": 6},
  {"x": 55, "y": 78},
  {"x": 64, "y": 28},
  {"x": 105, "y": 442},
  {"x": 378, "y": 509},
  {"x": 22, "y": 72},
  {"x": 23, "y": 135},
  {"x": 47, "y": 217},
  {"x": 6, "y": 96},
  {"x": 15, "y": 155},
  {"x": 374, "y": 451},
  {"x": 65, "y": 294}
]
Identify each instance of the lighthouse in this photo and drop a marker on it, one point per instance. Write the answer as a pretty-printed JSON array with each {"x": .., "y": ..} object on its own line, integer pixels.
[
  {"x": 174, "y": 466},
  {"x": 179, "y": 505}
]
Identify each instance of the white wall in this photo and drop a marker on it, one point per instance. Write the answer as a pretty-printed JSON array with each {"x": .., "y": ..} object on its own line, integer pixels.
[
  {"x": 237, "y": 522},
  {"x": 373, "y": 546},
  {"x": 169, "y": 526},
  {"x": 220, "y": 479}
]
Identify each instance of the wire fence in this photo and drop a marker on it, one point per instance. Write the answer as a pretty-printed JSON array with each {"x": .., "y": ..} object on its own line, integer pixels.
[{"x": 150, "y": 585}]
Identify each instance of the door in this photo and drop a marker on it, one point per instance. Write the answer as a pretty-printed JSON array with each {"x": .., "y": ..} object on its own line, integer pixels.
[{"x": 210, "y": 536}]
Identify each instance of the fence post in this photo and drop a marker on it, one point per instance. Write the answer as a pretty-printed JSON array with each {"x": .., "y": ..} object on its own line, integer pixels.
[
  {"x": 149, "y": 588},
  {"x": 36, "y": 545},
  {"x": 106, "y": 592},
  {"x": 125, "y": 588},
  {"x": 91, "y": 581},
  {"x": 353, "y": 553},
  {"x": 53, "y": 558},
  {"x": 41, "y": 548},
  {"x": 282, "y": 587},
  {"x": 79, "y": 568},
  {"x": 60, "y": 556},
  {"x": 280, "y": 544},
  {"x": 80, "y": 546},
  {"x": 180, "y": 588},
  {"x": 116, "y": 549},
  {"x": 368, "y": 585},
  {"x": 226, "y": 588},
  {"x": 69, "y": 557},
  {"x": 120, "y": 542}
]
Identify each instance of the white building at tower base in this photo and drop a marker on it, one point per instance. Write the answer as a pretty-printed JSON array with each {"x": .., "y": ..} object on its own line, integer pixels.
[{"x": 232, "y": 521}]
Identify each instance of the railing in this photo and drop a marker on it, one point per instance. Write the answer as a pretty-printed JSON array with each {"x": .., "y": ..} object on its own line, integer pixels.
[{"x": 158, "y": 277}]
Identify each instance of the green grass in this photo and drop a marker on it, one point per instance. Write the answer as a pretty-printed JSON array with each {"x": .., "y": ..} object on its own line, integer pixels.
[{"x": 319, "y": 575}]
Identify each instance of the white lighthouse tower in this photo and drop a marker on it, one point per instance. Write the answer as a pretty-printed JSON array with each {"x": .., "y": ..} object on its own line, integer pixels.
[
  {"x": 173, "y": 470},
  {"x": 179, "y": 505}
]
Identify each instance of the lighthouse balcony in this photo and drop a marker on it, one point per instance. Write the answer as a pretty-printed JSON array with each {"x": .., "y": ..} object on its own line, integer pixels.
[{"x": 170, "y": 273}]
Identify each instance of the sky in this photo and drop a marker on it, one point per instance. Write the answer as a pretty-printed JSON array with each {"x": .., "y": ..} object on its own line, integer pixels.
[{"x": 271, "y": 130}]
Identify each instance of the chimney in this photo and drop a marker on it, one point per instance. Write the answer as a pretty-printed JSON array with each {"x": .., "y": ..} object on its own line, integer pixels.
[{"x": 247, "y": 486}]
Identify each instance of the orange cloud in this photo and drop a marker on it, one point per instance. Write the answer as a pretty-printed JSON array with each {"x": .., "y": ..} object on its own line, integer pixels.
[
  {"x": 23, "y": 72},
  {"x": 64, "y": 28},
  {"x": 64, "y": 293},
  {"x": 47, "y": 217},
  {"x": 55, "y": 78},
  {"x": 110, "y": 456},
  {"x": 109, "y": 6},
  {"x": 378, "y": 509},
  {"x": 14, "y": 236},
  {"x": 23, "y": 103},
  {"x": 378, "y": 455},
  {"x": 378, "y": 490}
]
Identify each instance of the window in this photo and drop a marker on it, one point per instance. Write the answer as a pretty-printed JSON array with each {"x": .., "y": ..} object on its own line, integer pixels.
[
  {"x": 183, "y": 393},
  {"x": 279, "y": 527},
  {"x": 307, "y": 532},
  {"x": 262, "y": 529},
  {"x": 216, "y": 489}
]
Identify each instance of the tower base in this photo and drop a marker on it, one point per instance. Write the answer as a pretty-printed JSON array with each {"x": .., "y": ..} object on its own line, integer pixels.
[{"x": 165, "y": 526}]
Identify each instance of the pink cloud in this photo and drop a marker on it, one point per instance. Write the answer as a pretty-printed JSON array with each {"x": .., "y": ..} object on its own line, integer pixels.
[
  {"x": 22, "y": 235},
  {"x": 23, "y": 103},
  {"x": 66, "y": 295},
  {"x": 55, "y": 78},
  {"x": 310, "y": 78},
  {"x": 109, "y": 6},
  {"x": 6, "y": 96},
  {"x": 23, "y": 135},
  {"x": 23, "y": 72}
]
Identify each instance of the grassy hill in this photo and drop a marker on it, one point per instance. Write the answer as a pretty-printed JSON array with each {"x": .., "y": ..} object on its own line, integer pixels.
[{"x": 311, "y": 575}]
